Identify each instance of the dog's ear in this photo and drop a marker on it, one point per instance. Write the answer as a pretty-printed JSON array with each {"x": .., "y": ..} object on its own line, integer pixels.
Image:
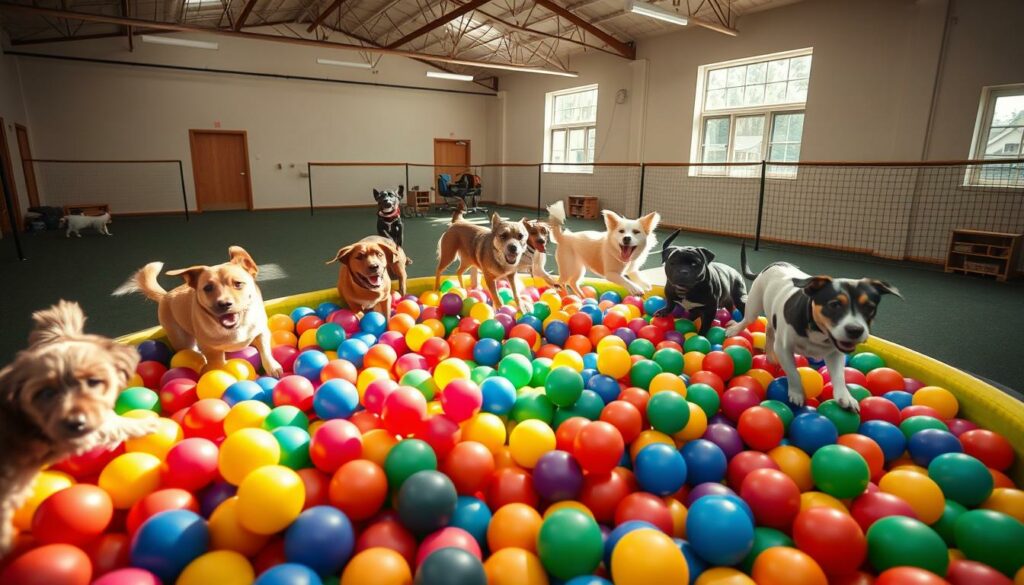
[
  {"x": 528, "y": 222},
  {"x": 611, "y": 219},
  {"x": 239, "y": 256},
  {"x": 884, "y": 287},
  {"x": 342, "y": 255},
  {"x": 495, "y": 220},
  {"x": 190, "y": 274},
  {"x": 390, "y": 250},
  {"x": 376, "y": 195},
  {"x": 650, "y": 221},
  {"x": 812, "y": 284},
  {"x": 63, "y": 320},
  {"x": 125, "y": 360},
  {"x": 707, "y": 254}
]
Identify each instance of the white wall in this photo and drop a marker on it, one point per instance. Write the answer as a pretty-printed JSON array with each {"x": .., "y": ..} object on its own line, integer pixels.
[
  {"x": 12, "y": 110},
  {"x": 100, "y": 111}
]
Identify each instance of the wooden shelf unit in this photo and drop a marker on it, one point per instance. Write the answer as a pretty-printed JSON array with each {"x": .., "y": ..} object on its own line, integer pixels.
[
  {"x": 983, "y": 253},
  {"x": 87, "y": 209},
  {"x": 418, "y": 202},
  {"x": 583, "y": 207}
]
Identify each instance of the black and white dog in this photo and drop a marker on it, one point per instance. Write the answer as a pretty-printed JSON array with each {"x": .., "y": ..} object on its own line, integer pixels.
[
  {"x": 699, "y": 285},
  {"x": 819, "y": 317},
  {"x": 389, "y": 213}
]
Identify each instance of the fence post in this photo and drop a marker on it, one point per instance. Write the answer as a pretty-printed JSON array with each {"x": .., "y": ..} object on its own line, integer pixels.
[
  {"x": 407, "y": 181},
  {"x": 5, "y": 187},
  {"x": 309, "y": 179},
  {"x": 640, "y": 204},
  {"x": 184, "y": 195},
  {"x": 760, "y": 207},
  {"x": 540, "y": 172}
]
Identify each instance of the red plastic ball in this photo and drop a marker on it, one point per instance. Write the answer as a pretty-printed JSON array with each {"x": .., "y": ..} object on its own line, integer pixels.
[
  {"x": 990, "y": 448},
  {"x": 469, "y": 325},
  {"x": 624, "y": 417},
  {"x": 740, "y": 341},
  {"x": 881, "y": 380},
  {"x": 285, "y": 355},
  {"x": 191, "y": 464},
  {"x": 109, "y": 552},
  {"x": 602, "y": 492},
  {"x": 750, "y": 382},
  {"x": 294, "y": 391},
  {"x": 580, "y": 323},
  {"x": 919, "y": 410},
  {"x": 409, "y": 362},
  {"x": 177, "y": 394},
  {"x": 335, "y": 443},
  {"x": 434, "y": 350},
  {"x": 156, "y": 502},
  {"x": 462, "y": 344},
  {"x": 719, "y": 363},
  {"x": 773, "y": 496},
  {"x": 151, "y": 372},
  {"x": 710, "y": 378},
  {"x": 470, "y": 466},
  {"x": 317, "y": 484},
  {"x": 306, "y": 323},
  {"x": 49, "y": 564},
  {"x": 598, "y": 447},
  {"x": 965, "y": 572},
  {"x": 205, "y": 419},
  {"x": 366, "y": 421},
  {"x": 870, "y": 507},
  {"x": 744, "y": 463},
  {"x": 833, "y": 539},
  {"x": 613, "y": 320},
  {"x": 511, "y": 485},
  {"x": 358, "y": 488},
  {"x": 646, "y": 507},
  {"x": 738, "y": 399},
  {"x": 565, "y": 435},
  {"x": 441, "y": 433},
  {"x": 89, "y": 463},
  {"x": 651, "y": 333},
  {"x": 909, "y": 576},
  {"x": 388, "y": 533},
  {"x": 450, "y": 537},
  {"x": 405, "y": 411},
  {"x": 75, "y": 515},
  {"x": 638, "y": 397},
  {"x": 376, "y": 393},
  {"x": 760, "y": 428},
  {"x": 461, "y": 399},
  {"x": 878, "y": 408}
]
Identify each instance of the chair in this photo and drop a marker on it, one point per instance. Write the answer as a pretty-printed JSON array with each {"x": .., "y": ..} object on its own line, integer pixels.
[{"x": 465, "y": 191}]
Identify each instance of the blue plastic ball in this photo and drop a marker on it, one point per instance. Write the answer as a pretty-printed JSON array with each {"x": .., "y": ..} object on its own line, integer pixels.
[
  {"x": 928, "y": 444},
  {"x": 321, "y": 538},
  {"x": 588, "y": 580},
  {"x": 473, "y": 516},
  {"x": 900, "y": 398},
  {"x": 533, "y": 321},
  {"x": 499, "y": 395},
  {"x": 366, "y": 337},
  {"x": 693, "y": 560},
  {"x": 267, "y": 383},
  {"x": 487, "y": 351},
  {"x": 154, "y": 351},
  {"x": 300, "y": 312},
  {"x": 612, "y": 296},
  {"x": 353, "y": 350},
  {"x": 288, "y": 574},
  {"x": 778, "y": 389},
  {"x": 653, "y": 304},
  {"x": 374, "y": 323},
  {"x": 811, "y": 431},
  {"x": 336, "y": 398},
  {"x": 556, "y": 332},
  {"x": 324, "y": 310},
  {"x": 590, "y": 361},
  {"x": 604, "y": 386},
  {"x": 660, "y": 469},
  {"x": 888, "y": 436},
  {"x": 705, "y": 462},
  {"x": 618, "y": 532},
  {"x": 242, "y": 390},
  {"x": 309, "y": 363},
  {"x": 168, "y": 541},
  {"x": 719, "y": 530},
  {"x": 596, "y": 316}
]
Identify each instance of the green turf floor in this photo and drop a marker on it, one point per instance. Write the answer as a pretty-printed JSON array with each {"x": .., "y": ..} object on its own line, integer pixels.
[{"x": 970, "y": 323}]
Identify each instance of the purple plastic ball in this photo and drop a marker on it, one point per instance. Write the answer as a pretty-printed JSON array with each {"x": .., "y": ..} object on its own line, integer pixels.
[
  {"x": 451, "y": 304},
  {"x": 506, "y": 321},
  {"x": 707, "y": 489},
  {"x": 674, "y": 336},
  {"x": 625, "y": 334},
  {"x": 347, "y": 319},
  {"x": 726, "y": 437},
  {"x": 249, "y": 354},
  {"x": 959, "y": 426},
  {"x": 913, "y": 385},
  {"x": 723, "y": 316},
  {"x": 154, "y": 351},
  {"x": 557, "y": 477}
]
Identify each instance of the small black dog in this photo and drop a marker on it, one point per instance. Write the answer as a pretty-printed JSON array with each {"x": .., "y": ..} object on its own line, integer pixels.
[
  {"x": 389, "y": 213},
  {"x": 698, "y": 284}
]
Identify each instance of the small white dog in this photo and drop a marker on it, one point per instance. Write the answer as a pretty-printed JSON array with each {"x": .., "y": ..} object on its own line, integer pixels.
[
  {"x": 616, "y": 254},
  {"x": 75, "y": 223}
]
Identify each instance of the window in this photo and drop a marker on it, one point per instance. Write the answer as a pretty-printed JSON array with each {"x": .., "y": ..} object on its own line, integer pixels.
[
  {"x": 751, "y": 110},
  {"x": 570, "y": 129},
  {"x": 999, "y": 134}
]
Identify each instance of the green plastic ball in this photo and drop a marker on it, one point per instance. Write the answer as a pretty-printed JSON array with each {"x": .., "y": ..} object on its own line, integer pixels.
[
  {"x": 858, "y": 392},
  {"x": 563, "y": 386},
  {"x": 541, "y": 368},
  {"x": 516, "y": 345},
  {"x": 641, "y": 346},
  {"x": 705, "y": 397},
  {"x": 491, "y": 329},
  {"x": 962, "y": 478},
  {"x": 643, "y": 372},
  {"x": 898, "y": 541},
  {"x": 286, "y": 416},
  {"x": 541, "y": 310},
  {"x": 421, "y": 380},
  {"x": 481, "y": 373},
  {"x": 846, "y": 421},
  {"x": 764, "y": 539},
  {"x": 697, "y": 343},
  {"x": 589, "y": 406},
  {"x": 532, "y": 404},
  {"x": 780, "y": 408},
  {"x": 839, "y": 471},
  {"x": 137, "y": 398},
  {"x": 866, "y": 361},
  {"x": 450, "y": 322},
  {"x": 406, "y": 458},
  {"x": 505, "y": 295},
  {"x": 447, "y": 285},
  {"x": 716, "y": 335},
  {"x": 329, "y": 336},
  {"x": 294, "y": 444},
  {"x": 684, "y": 326},
  {"x": 946, "y": 524},
  {"x": 517, "y": 369},
  {"x": 741, "y": 359},
  {"x": 569, "y": 544},
  {"x": 467, "y": 306},
  {"x": 670, "y": 360},
  {"x": 992, "y": 538},
  {"x": 668, "y": 412},
  {"x": 916, "y": 424}
]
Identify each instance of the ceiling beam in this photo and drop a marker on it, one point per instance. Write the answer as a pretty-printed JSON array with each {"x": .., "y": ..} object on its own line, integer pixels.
[
  {"x": 178, "y": 27},
  {"x": 693, "y": 21},
  {"x": 439, "y": 21},
  {"x": 240, "y": 22},
  {"x": 323, "y": 15},
  {"x": 626, "y": 50}
]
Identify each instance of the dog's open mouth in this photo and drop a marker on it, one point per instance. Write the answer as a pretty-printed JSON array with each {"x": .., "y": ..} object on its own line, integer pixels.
[
  {"x": 374, "y": 280},
  {"x": 228, "y": 320},
  {"x": 511, "y": 257},
  {"x": 626, "y": 252},
  {"x": 843, "y": 345},
  {"x": 540, "y": 246}
]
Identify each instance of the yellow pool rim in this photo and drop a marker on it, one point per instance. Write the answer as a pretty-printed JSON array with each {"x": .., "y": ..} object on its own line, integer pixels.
[{"x": 979, "y": 401}]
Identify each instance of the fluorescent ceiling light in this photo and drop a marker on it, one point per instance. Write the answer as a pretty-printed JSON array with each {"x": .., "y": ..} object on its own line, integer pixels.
[
  {"x": 454, "y": 76},
  {"x": 520, "y": 69},
  {"x": 357, "y": 65},
  {"x": 652, "y": 11},
  {"x": 173, "y": 41}
]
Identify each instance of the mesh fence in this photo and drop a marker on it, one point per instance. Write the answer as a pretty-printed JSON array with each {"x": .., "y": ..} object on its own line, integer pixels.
[
  {"x": 616, "y": 186},
  {"x": 719, "y": 199},
  {"x": 141, "y": 186}
]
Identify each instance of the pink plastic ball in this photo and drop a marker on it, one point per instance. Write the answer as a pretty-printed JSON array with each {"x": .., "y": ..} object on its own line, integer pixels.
[
  {"x": 376, "y": 393},
  {"x": 408, "y": 363},
  {"x": 190, "y": 465},
  {"x": 461, "y": 399},
  {"x": 294, "y": 391},
  {"x": 179, "y": 374},
  {"x": 737, "y": 399},
  {"x": 335, "y": 443},
  {"x": 285, "y": 355},
  {"x": 396, "y": 340},
  {"x": 347, "y": 319},
  {"x": 128, "y": 576},
  {"x": 249, "y": 354}
]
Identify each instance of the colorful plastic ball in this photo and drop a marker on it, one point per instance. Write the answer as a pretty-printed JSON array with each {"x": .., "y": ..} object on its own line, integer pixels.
[
  {"x": 514, "y": 566},
  {"x": 469, "y": 465},
  {"x": 873, "y": 506},
  {"x": 563, "y": 386},
  {"x": 569, "y": 544},
  {"x": 129, "y": 477},
  {"x": 126, "y": 576},
  {"x": 358, "y": 488},
  {"x": 352, "y": 350},
  {"x": 909, "y": 576},
  {"x": 888, "y": 436},
  {"x": 530, "y": 440},
  {"x": 898, "y": 541},
  {"x": 243, "y": 390},
  {"x": 965, "y": 572},
  {"x": 137, "y": 398},
  {"x": 866, "y": 361},
  {"x": 705, "y": 397},
  {"x": 269, "y": 499},
  {"x": 498, "y": 395},
  {"x": 404, "y": 411},
  {"x": 668, "y": 412},
  {"x": 990, "y": 448},
  {"x": 532, "y": 404},
  {"x": 940, "y": 399},
  {"x": 991, "y": 538},
  {"x": 726, "y": 437},
  {"x": 705, "y": 461},
  {"x": 926, "y": 445},
  {"x": 868, "y": 449},
  {"x": 426, "y": 502},
  {"x": 598, "y": 447},
  {"x": 451, "y": 566},
  {"x": 557, "y": 476},
  {"x": 245, "y": 451},
  {"x": 191, "y": 464},
  {"x": 407, "y": 458},
  {"x": 52, "y": 563},
  {"x": 719, "y": 530},
  {"x": 309, "y": 364},
  {"x": 660, "y": 469},
  {"x": 167, "y": 542},
  {"x": 461, "y": 399},
  {"x": 613, "y": 361},
  {"x": 487, "y": 351},
  {"x": 811, "y": 431},
  {"x": 840, "y": 471},
  {"x": 833, "y": 539},
  {"x": 224, "y": 567},
  {"x": 321, "y": 538},
  {"x": 961, "y": 478},
  {"x": 473, "y": 516},
  {"x": 773, "y": 497},
  {"x": 75, "y": 515},
  {"x": 335, "y": 398},
  {"x": 517, "y": 369},
  {"x": 645, "y": 556},
  {"x": 760, "y": 428},
  {"x": 783, "y": 565}
]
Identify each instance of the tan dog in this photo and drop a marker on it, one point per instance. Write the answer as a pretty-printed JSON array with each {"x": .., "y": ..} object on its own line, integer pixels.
[
  {"x": 367, "y": 267},
  {"x": 534, "y": 257},
  {"x": 56, "y": 400},
  {"x": 219, "y": 308},
  {"x": 496, "y": 252},
  {"x": 616, "y": 254}
]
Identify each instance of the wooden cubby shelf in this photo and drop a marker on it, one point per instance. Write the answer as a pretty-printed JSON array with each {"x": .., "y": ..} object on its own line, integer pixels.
[{"x": 984, "y": 253}]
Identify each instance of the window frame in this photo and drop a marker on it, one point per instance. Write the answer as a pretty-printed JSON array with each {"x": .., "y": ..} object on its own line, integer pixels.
[
  {"x": 550, "y": 128},
  {"x": 982, "y": 127},
  {"x": 700, "y": 116}
]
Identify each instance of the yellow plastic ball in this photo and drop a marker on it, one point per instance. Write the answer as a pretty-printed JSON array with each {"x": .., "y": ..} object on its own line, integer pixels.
[
  {"x": 158, "y": 443},
  {"x": 245, "y": 451},
  {"x": 331, "y": 354},
  {"x": 280, "y": 322},
  {"x": 436, "y": 327},
  {"x": 308, "y": 339},
  {"x": 430, "y": 298},
  {"x": 812, "y": 381},
  {"x": 223, "y": 567},
  {"x": 188, "y": 358},
  {"x": 938, "y": 398},
  {"x": 417, "y": 335},
  {"x": 764, "y": 377},
  {"x": 434, "y": 408},
  {"x": 45, "y": 485},
  {"x": 918, "y": 490},
  {"x": 514, "y": 566},
  {"x": 648, "y": 437},
  {"x": 369, "y": 376},
  {"x": 481, "y": 312},
  {"x": 613, "y": 361},
  {"x": 667, "y": 382},
  {"x": 696, "y": 426},
  {"x": 570, "y": 359},
  {"x": 795, "y": 463},
  {"x": 723, "y": 576},
  {"x": 678, "y": 511},
  {"x": 759, "y": 339},
  {"x": 610, "y": 341},
  {"x": 212, "y": 384},
  {"x": 240, "y": 369},
  {"x": 1009, "y": 501},
  {"x": 270, "y": 498},
  {"x": 648, "y": 556},
  {"x": 484, "y": 428},
  {"x": 530, "y": 440},
  {"x": 130, "y": 477},
  {"x": 135, "y": 380},
  {"x": 377, "y": 444},
  {"x": 567, "y": 505},
  {"x": 552, "y": 300},
  {"x": 227, "y": 533},
  {"x": 248, "y": 414},
  {"x": 810, "y": 500},
  {"x": 693, "y": 362},
  {"x": 450, "y": 369}
]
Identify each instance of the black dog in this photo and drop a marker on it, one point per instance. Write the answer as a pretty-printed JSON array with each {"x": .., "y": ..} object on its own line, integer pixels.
[
  {"x": 389, "y": 213},
  {"x": 698, "y": 284}
]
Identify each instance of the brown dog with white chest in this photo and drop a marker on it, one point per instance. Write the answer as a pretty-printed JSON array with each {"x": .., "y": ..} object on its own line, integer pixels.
[
  {"x": 367, "y": 267},
  {"x": 57, "y": 399},
  {"x": 219, "y": 308},
  {"x": 495, "y": 252}
]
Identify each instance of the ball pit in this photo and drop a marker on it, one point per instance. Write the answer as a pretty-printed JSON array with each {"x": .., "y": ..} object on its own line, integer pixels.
[{"x": 585, "y": 443}]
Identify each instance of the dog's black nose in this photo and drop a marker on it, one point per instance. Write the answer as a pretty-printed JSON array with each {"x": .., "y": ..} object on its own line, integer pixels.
[
  {"x": 75, "y": 424},
  {"x": 225, "y": 304},
  {"x": 854, "y": 331},
  {"x": 627, "y": 239}
]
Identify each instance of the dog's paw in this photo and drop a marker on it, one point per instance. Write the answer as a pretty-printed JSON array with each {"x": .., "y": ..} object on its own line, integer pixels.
[
  {"x": 796, "y": 396},
  {"x": 146, "y": 426},
  {"x": 663, "y": 312},
  {"x": 847, "y": 401},
  {"x": 733, "y": 330},
  {"x": 272, "y": 368}
]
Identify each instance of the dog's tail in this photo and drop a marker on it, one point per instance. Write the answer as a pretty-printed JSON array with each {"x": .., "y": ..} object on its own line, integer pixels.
[
  {"x": 556, "y": 218},
  {"x": 666, "y": 245},
  {"x": 144, "y": 281},
  {"x": 744, "y": 267},
  {"x": 457, "y": 216}
]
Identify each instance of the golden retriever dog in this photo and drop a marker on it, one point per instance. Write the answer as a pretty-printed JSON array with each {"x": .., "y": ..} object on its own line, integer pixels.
[
  {"x": 219, "y": 308},
  {"x": 495, "y": 251},
  {"x": 56, "y": 400},
  {"x": 367, "y": 267},
  {"x": 616, "y": 254}
]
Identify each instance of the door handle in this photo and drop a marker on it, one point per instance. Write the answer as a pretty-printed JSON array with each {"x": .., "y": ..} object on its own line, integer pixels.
[{"x": 242, "y": 173}]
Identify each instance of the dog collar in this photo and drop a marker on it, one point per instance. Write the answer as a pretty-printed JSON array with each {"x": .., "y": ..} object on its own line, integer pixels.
[{"x": 393, "y": 215}]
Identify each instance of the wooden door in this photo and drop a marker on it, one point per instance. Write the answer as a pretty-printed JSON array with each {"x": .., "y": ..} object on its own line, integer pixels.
[
  {"x": 5, "y": 159},
  {"x": 220, "y": 166},
  {"x": 451, "y": 157},
  {"x": 26, "y": 165}
]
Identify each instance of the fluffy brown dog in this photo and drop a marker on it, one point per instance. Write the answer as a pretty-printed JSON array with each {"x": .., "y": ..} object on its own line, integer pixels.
[
  {"x": 367, "y": 267},
  {"x": 57, "y": 399},
  {"x": 495, "y": 252},
  {"x": 219, "y": 308}
]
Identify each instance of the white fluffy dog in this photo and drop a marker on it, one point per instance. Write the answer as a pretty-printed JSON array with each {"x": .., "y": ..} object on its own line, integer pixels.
[
  {"x": 616, "y": 254},
  {"x": 75, "y": 223}
]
